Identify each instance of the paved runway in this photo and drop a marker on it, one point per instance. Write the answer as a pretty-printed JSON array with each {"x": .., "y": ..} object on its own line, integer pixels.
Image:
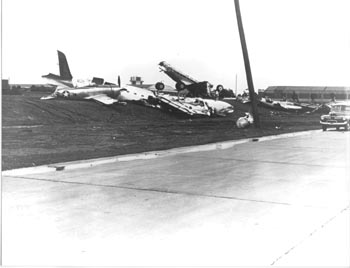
[{"x": 276, "y": 202}]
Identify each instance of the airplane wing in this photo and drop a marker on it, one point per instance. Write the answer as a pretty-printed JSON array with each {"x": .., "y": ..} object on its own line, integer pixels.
[
  {"x": 279, "y": 106},
  {"x": 183, "y": 81},
  {"x": 49, "y": 97},
  {"x": 102, "y": 98},
  {"x": 291, "y": 107},
  {"x": 176, "y": 75}
]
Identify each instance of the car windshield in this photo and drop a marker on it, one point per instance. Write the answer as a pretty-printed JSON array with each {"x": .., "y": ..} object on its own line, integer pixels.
[{"x": 341, "y": 108}]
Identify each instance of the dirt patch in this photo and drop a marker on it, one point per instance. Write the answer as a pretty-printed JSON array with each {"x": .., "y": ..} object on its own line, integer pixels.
[{"x": 37, "y": 132}]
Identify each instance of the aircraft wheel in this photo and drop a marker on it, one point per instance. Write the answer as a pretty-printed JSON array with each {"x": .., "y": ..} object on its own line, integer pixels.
[
  {"x": 219, "y": 88},
  {"x": 180, "y": 86},
  {"x": 160, "y": 86}
]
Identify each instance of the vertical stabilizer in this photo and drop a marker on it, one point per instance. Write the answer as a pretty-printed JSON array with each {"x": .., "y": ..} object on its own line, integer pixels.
[{"x": 64, "y": 68}]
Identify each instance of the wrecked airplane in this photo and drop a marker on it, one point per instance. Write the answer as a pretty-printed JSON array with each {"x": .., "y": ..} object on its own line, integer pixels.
[
  {"x": 184, "y": 82},
  {"x": 109, "y": 93},
  {"x": 199, "y": 95},
  {"x": 98, "y": 90}
]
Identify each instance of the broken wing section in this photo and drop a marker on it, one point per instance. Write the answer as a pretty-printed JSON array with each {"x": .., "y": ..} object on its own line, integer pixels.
[
  {"x": 183, "y": 81},
  {"x": 49, "y": 97},
  {"x": 102, "y": 98},
  {"x": 189, "y": 106},
  {"x": 176, "y": 75}
]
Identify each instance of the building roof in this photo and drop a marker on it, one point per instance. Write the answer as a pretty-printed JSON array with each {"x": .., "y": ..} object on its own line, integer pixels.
[{"x": 305, "y": 89}]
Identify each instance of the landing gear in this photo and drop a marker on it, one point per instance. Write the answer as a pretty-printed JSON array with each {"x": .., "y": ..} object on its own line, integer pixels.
[
  {"x": 219, "y": 88},
  {"x": 324, "y": 128},
  {"x": 160, "y": 86}
]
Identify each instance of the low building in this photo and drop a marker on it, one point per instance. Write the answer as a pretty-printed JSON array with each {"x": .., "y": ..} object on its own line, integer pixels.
[
  {"x": 136, "y": 81},
  {"x": 16, "y": 89},
  {"x": 307, "y": 94},
  {"x": 5, "y": 86}
]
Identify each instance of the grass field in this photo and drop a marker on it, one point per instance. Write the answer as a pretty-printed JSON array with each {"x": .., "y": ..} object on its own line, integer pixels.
[{"x": 37, "y": 132}]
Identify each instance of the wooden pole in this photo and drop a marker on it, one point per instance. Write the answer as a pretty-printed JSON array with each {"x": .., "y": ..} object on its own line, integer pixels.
[{"x": 247, "y": 66}]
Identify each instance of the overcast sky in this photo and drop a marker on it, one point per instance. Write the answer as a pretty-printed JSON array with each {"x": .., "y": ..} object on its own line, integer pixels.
[{"x": 290, "y": 42}]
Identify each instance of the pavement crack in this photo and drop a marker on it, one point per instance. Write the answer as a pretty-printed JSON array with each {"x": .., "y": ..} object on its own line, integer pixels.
[
  {"x": 157, "y": 190},
  {"x": 273, "y": 162},
  {"x": 310, "y": 234}
]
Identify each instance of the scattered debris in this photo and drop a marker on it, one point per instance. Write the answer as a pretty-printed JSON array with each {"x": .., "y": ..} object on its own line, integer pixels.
[
  {"x": 278, "y": 126},
  {"x": 246, "y": 121}
]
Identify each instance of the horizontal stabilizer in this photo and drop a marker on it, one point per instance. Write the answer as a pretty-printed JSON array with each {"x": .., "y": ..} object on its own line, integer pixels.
[{"x": 57, "y": 80}]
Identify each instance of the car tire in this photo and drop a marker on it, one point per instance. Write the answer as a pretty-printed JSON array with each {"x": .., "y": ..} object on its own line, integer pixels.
[
  {"x": 324, "y": 128},
  {"x": 337, "y": 128}
]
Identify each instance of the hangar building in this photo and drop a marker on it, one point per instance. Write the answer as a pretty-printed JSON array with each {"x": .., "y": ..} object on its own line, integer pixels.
[{"x": 308, "y": 94}]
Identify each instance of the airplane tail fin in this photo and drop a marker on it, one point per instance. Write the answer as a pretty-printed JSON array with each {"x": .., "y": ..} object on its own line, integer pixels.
[
  {"x": 65, "y": 77},
  {"x": 64, "y": 67}
]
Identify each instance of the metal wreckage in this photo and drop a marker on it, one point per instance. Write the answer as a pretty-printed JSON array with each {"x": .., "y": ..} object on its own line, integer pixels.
[{"x": 191, "y": 98}]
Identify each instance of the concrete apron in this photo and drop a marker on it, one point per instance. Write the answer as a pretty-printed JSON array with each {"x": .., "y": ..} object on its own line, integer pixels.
[{"x": 282, "y": 202}]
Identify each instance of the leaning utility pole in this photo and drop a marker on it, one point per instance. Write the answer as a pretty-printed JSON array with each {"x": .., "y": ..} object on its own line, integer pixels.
[
  {"x": 247, "y": 66},
  {"x": 236, "y": 86}
]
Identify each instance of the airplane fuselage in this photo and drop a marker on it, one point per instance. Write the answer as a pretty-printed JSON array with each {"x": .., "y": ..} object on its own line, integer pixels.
[
  {"x": 85, "y": 92},
  {"x": 131, "y": 93}
]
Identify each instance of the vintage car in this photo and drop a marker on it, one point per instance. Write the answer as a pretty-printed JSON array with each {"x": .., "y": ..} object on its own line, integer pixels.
[{"x": 339, "y": 116}]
